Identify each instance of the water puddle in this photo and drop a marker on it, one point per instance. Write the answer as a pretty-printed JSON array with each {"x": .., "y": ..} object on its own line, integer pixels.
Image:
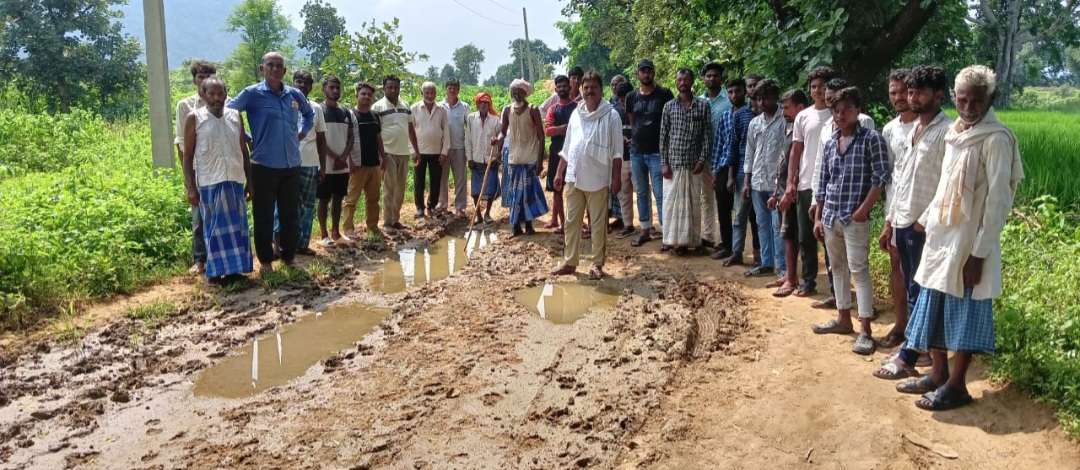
[
  {"x": 418, "y": 265},
  {"x": 564, "y": 304},
  {"x": 287, "y": 353}
]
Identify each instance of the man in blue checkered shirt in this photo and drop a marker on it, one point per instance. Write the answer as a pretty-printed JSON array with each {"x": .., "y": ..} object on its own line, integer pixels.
[
  {"x": 729, "y": 148},
  {"x": 854, "y": 173}
]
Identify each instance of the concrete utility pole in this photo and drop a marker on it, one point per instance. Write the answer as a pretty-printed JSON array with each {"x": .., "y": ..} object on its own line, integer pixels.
[
  {"x": 528, "y": 46},
  {"x": 157, "y": 66}
]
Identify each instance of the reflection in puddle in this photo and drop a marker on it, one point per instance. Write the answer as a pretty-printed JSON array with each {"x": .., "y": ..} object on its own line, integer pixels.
[
  {"x": 564, "y": 304},
  {"x": 411, "y": 267},
  {"x": 287, "y": 353}
]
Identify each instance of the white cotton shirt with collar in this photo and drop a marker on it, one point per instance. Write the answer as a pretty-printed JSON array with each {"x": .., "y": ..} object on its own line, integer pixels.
[
  {"x": 826, "y": 134},
  {"x": 309, "y": 149},
  {"x": 593, "y": 141},
  {"x": 218, "y": 157},
  {"x": 896, "y": 134},
  {"x": 916, "y": 172},
  {"x": 456, "y": 121},
  {"x": 478, "y": 136},
  {"x": 986, "y": 158},
  {"x": 766, "y": 140},
  {"x": 184, "y": 108}
]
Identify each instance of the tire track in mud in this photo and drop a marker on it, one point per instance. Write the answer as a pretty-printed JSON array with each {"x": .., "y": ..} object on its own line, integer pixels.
[{"x": 458, "y": 376}]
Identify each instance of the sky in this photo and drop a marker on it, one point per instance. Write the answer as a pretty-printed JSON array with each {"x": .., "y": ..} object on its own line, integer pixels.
[{"x": 437, "y": 27}]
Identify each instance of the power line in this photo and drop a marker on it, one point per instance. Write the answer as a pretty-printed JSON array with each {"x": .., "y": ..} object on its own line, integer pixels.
[
  {"x": 500, "y": 23},
  {"x": 504, "y": 7}
]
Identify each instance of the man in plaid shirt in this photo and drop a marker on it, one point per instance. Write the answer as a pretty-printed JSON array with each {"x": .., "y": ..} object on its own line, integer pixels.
[
  {"x": 729, "y": 148},
  {"x": 854, "y": 173},
  {"x": 684, "y": 154}
]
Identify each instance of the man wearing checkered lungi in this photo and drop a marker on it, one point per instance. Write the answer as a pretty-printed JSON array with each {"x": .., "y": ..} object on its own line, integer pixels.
[
  {"x": 216, "y": 174},
  {"x": 960, "y": 269}
]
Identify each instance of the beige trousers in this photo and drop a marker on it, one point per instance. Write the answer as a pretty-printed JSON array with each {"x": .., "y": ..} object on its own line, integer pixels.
[
  {"x": 626, "y": 195},
  {"x": 363, "y": 179},
  {"x": 456, "y": 164},
  {"x": 577, "y": 201},
  {"x": 394, "y": 183}
]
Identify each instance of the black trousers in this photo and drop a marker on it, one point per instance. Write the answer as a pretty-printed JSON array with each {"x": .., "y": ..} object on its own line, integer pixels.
[
  {"x": 808, "y": 244},
  {"x": 275, "y": 187},
  {"x": 725, "y": 203},
  {"x": 430, "y": 164}
]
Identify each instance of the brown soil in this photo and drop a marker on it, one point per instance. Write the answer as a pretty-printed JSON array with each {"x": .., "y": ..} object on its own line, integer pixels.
[{"x": 693, "y": 368}]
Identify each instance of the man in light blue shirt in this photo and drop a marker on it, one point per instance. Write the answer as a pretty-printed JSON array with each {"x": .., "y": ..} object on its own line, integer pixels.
[{"x": 273, "y": 110}]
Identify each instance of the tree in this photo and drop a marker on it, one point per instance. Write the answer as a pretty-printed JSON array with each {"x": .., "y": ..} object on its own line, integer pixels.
[
  {"x": 321, "y": 25},
  {"x": 70, "y": 54},
  {"x": 262, "y": 29},
  {"x": 780, "y": 38},
  {"x": 1046, "y": 27},
  {"x": 537, "y": 60},
  {"x": 447, "y": 73},
  {"x": 370, "y": 54},
  {"x": 432, "y": 73},
  {"x": 467, "y": 60},
  {"x": 586, "y": 50}
]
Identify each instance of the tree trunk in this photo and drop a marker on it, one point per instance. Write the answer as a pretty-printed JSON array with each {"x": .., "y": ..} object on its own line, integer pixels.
[
  {"x": 864, "y": 67},
  {"x": 1008, "y": 46}
]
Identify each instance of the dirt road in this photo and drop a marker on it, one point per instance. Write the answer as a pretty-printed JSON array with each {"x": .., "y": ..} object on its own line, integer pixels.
[{"x": 692, "y": 368}]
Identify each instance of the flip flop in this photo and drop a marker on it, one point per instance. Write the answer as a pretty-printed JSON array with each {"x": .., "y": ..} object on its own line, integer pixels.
[
  {"x": 827, "y": 304},
  {"x": 864, "y": 345},
  {"x": 775, "y": 283},
  {"x": 943, "y": 399},
  {"x": 783, "y": 291},
  {"x": 596, "y": 273},
  {"x": 891, "y": 340},
  {"x": 894, "y": 371},
  {"x": 640, "y": 240},
  {"x": 917, "y": 386},
  {"x": 831, "y": 327},
  {"x": 805, "y": 292}
]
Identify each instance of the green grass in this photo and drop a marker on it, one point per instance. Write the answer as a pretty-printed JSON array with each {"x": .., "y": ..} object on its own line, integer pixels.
[{"x": 1048, "y": 146}]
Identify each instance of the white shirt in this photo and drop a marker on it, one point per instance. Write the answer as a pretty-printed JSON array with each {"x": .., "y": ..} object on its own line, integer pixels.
[
  {"x": 807, "y": 129},
  {"x": 593, "y": 141},
  {"x": 456, "y": 115},
  {"x": 916, "y": 172},
  {"x": 184, "y": 108},
  {"x": 309, "y": 150},
  {"x": 432, "y": 129},
  {"x": 218, "y": 157},
  {"x": 826, "y": 134},
  {"x": 896, "y": 133},
  {"x": 984, "y": 163},
  {"x": 766, "y": 140},
  {"x": 478, "y": 135}
]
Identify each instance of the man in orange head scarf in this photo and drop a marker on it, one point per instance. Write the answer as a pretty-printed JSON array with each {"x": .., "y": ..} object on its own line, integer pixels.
[{"x": 481, "y": 127}]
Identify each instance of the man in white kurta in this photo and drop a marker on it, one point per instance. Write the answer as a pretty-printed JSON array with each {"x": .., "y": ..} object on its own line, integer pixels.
[
  {"x": 591, "y": 165},
  {"x": 960, "y": 270}
]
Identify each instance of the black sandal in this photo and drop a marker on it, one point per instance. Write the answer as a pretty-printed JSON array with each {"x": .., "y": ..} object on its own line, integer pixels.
[
  {"x": 919, "y": 386},
  {"x": 943, "y": 399}
]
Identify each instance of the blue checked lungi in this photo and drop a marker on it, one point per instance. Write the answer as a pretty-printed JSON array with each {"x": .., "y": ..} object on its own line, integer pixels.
[
  {"x": 524, "y": 195},
  {"x": 941, "y": 321},
  {"x": 476, "y": 174},
  {"x": 225, "y": 229}
]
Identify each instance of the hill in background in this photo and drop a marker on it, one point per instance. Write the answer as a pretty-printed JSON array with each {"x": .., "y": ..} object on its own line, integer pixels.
[{"x": 193, "y": 28}]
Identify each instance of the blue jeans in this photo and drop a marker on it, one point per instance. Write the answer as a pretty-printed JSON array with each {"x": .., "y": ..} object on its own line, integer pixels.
[
  {"x": 766, "y": 230},
  {"x": 744, "y": 212},
  {"x": 645, "y": 167}
]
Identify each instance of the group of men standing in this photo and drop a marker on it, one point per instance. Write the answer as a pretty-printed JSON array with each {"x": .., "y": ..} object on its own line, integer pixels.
[{"x": 791, "y": 170}]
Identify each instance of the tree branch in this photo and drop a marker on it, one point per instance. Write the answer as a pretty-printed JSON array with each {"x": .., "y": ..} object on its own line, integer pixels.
[{"x": 889, "y": 42}]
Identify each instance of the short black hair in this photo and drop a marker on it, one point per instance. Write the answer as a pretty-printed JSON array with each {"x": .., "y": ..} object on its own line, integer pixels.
[
  {"x": 850, "y": 95},
  {"x": 767, "y": 87},
  {"x": 577, "y": 72},
  {"x": 684, "y": 71},
  {"x": 821, "y": 72},
  {"x": 899, "y": 75},
  {"x": 592, "y": 75},
  {"x": 713, "y": 66},
  {"x": 737, "y": 82},
  {"x": 362, "y": 85},
  {"x": 302, "y": 75},
  {"x": 927, "y": 76},
  {"x": 837, "y": 84},
  {"x": 796, "y": 96},
  {"x": 624, "y": 88},
  {"x": 330, "y": 78},
  {"x": 202, "y": 66},
  {"x": 453, "y": 82},
  {"x": 391, "y": 78},
  {"x": 561, "y": 78},
  {"x": 757, "y": 77},
  {"x": 212, "y": 80}
]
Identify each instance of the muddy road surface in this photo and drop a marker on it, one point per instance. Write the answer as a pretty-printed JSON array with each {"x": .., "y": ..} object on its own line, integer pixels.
[{"x": 427, "y": 353}]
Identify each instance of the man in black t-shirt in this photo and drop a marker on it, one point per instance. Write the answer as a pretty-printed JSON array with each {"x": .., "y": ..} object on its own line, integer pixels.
[
  {"x": 645, "y": 108},
  {"x": 366, "y": 162}
]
